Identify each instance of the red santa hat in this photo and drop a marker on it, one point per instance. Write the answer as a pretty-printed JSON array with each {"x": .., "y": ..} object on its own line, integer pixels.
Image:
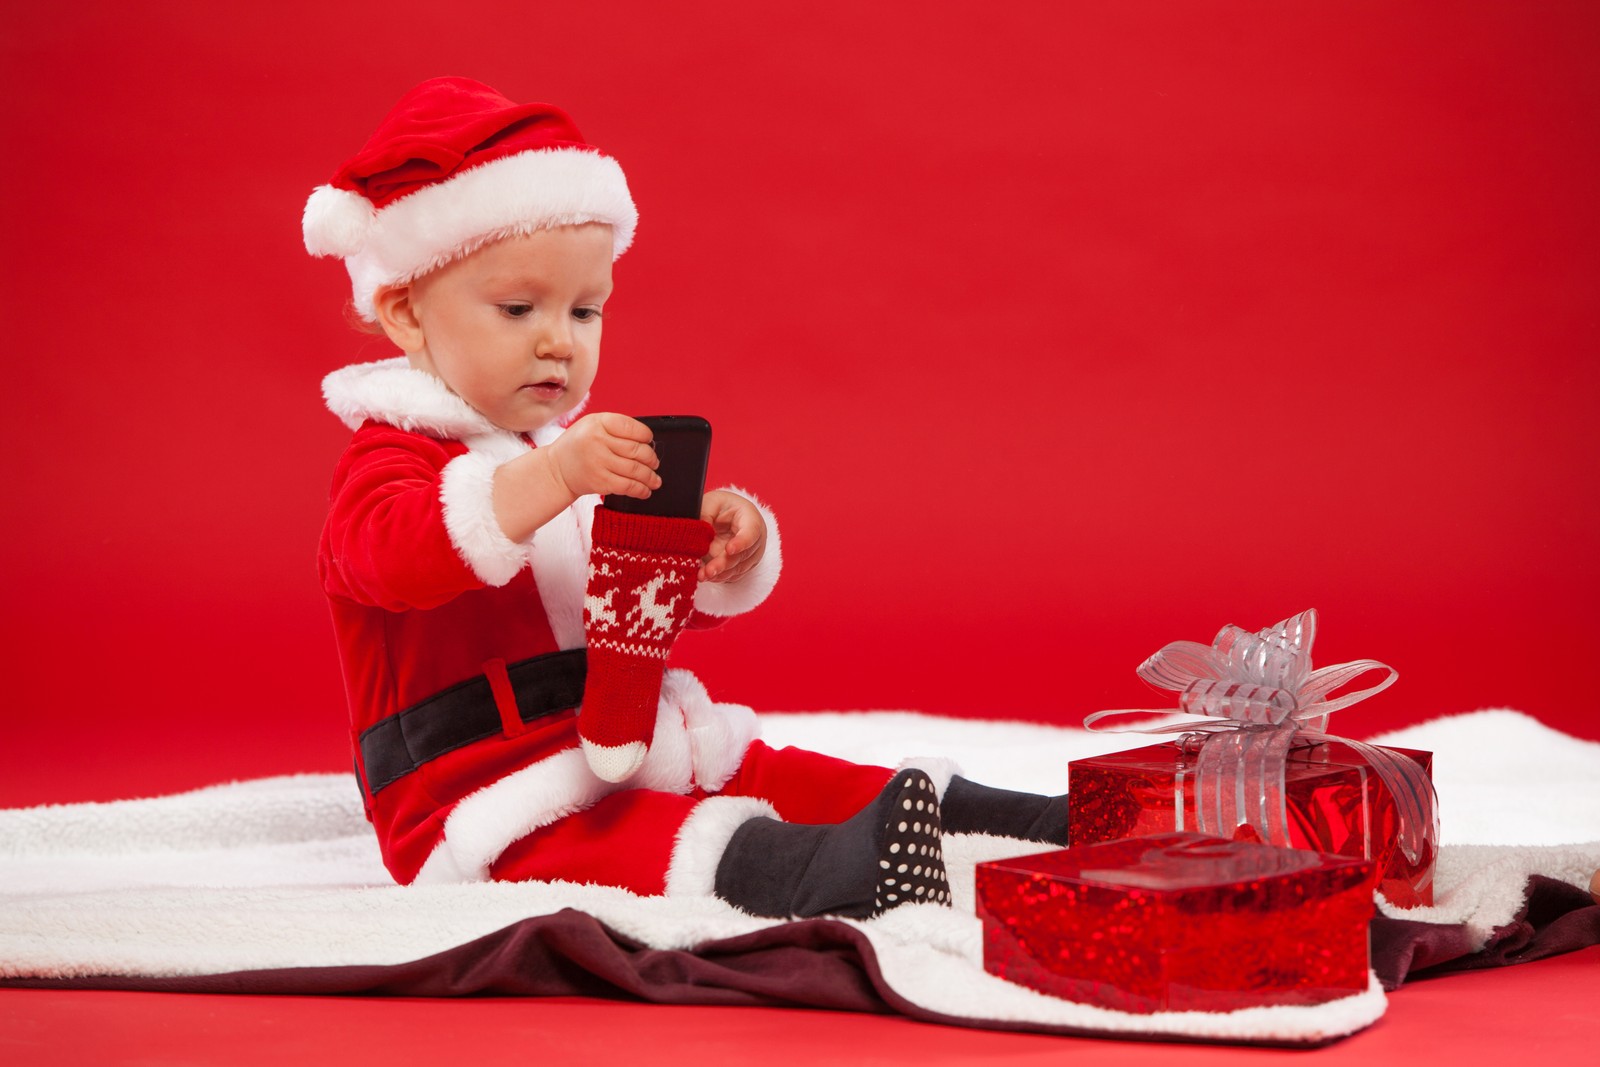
[{"x": 454, "y": 166}]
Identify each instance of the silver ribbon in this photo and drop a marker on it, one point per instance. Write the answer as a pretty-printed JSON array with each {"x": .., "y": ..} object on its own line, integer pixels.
[{"x": 1259, "y": 697}]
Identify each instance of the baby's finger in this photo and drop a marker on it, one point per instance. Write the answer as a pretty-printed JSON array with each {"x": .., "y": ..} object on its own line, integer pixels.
[
  {"x": 743, "y": 558},
  {"x": 740, "y": 542},
  {"x": 735, "y": 565},
  {"x": 626, "y": 426},
  {"x": 736, "y": 571},
  {"x": 717, "y": 559},
  {"x": 639, "y": 452},
  {"x": 637, "y": 490},
  {"x": 626, "y": 478},
  {"x": 730, "y": 521},
  {"x": 636, "y": 472}
]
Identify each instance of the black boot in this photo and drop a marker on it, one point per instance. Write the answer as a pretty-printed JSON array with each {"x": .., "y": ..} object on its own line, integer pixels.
[
  {"x": 970, "y": 808},
  {"x": 885, "y": 856}
]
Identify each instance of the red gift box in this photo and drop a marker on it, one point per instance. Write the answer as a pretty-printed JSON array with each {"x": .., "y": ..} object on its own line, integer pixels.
[
  {"x": 1335, "y": 804},
  {"x": 1178, "y": 922}
]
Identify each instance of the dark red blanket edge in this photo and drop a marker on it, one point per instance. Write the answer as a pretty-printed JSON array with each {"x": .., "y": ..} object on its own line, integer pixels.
[{"x": 817, "y": 963}]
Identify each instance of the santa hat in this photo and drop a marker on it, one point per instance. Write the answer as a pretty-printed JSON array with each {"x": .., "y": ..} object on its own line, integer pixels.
[{"x": 454, "y": 166}]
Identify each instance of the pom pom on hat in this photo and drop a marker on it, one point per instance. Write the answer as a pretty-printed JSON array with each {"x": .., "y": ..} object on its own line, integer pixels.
[
  {"x": 336, "y": 222},
  {"x": 454, "y": 166}
]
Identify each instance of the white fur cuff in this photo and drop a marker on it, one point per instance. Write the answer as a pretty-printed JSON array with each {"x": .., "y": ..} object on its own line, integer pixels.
[
  {"x": 704, "y": 837},
  {"x": 467, "y": 490},
  {"x": 738, "y": 597}
]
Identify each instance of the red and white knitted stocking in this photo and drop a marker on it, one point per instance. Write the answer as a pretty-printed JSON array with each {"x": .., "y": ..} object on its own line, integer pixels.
[{"x": 642, "y": 578}]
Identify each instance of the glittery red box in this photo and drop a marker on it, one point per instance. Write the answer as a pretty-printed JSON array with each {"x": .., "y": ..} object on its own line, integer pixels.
[
  {"x": 1178, "y": 922},
  {"x": 1335, "y": 802}
]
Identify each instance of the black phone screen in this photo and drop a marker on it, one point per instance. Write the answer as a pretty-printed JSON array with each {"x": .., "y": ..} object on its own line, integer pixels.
[{"x": 683, "y": 444}]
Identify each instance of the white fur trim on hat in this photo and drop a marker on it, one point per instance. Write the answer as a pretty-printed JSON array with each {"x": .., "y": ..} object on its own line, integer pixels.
[
  {"x": 738, "y": 597},
  {"x": 704, "y": 837},
  {"x": 439, "y": 223}
]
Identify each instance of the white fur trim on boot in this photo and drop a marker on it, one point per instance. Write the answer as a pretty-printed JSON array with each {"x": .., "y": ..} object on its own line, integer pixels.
[
  {"x": 938, "y": 768},
  {"x": 704, "y": 837}
]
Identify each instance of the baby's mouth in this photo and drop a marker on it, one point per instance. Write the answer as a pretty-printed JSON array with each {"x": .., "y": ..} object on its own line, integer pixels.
[{"x": 550, "y": 390}]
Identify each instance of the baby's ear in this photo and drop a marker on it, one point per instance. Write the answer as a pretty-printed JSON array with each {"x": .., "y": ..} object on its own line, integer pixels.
[{"x": 397, "y": 315}]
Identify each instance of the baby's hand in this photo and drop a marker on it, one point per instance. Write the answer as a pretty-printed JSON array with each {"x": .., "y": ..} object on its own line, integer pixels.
[
  {"x": 740, "y": 540},
  {"x": 606, "y": 453}
]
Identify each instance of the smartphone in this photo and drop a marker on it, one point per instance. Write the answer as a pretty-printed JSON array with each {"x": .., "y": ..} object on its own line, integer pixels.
[{"x": 683, "y": 444}]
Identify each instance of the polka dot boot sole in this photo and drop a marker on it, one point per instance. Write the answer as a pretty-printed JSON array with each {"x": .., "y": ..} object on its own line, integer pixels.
[{"x": 911, "y": 860}]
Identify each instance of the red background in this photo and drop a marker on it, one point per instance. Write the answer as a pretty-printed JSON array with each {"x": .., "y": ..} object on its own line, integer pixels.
[{"x": 1053, "y": 332}]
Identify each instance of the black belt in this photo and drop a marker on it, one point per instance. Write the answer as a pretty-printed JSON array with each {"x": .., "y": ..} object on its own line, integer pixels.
[{"x": 466, "y": 712}]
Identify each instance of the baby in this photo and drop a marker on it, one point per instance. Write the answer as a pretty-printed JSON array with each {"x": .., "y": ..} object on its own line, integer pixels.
[{"x": 498, "y": 731}]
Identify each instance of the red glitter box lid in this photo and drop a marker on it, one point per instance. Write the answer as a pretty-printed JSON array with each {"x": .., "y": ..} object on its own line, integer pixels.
[
  {"x": 1178, "y": 922},
  {"x": 1182, "y": 861}
]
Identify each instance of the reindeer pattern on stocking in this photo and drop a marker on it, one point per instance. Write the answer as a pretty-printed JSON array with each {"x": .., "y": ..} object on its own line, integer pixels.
[{"x": 642, "y": 619}]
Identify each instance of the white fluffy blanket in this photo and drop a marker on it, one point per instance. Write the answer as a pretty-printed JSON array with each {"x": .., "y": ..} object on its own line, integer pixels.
[{"x": 284, "y": 872}]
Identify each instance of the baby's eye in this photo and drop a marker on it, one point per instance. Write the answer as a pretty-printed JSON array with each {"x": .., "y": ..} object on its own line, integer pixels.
[
  {"x": 516, "y": 311},
  {"x": 586, "y": 314}
]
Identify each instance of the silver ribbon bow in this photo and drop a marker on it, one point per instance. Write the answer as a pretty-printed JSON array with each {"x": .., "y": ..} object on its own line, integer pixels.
[{"x": 1259, "y": 696}]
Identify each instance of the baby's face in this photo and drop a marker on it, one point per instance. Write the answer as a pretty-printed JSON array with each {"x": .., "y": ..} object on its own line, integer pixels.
[{"x": 514, "y": 328}]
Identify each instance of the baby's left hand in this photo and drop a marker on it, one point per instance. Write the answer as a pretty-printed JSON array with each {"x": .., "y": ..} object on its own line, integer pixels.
[{"x": 741, "y": 536}]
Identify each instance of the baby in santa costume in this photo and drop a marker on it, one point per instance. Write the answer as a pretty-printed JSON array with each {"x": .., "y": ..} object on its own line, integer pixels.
[{"x": 503, "y": 634}]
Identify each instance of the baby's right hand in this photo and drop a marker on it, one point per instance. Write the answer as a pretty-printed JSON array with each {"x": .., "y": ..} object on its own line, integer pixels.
[{"x": 606, "y": 453}]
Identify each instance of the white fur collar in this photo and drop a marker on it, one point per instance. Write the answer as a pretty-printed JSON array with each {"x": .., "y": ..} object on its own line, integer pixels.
[{"x": 393, "y": 392}]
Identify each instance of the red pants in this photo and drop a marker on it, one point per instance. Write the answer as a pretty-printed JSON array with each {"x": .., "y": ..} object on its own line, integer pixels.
[{"x": 626, "y": 839}]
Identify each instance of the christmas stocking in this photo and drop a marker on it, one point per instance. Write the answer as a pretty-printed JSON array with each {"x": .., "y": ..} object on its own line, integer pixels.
[{"x": 642, "y": 577}]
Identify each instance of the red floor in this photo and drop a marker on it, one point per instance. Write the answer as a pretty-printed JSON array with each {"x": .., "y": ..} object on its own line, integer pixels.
[{"x": 1542, "y": 1012}]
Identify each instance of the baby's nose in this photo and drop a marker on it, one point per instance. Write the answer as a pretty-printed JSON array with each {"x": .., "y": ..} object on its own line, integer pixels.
[{"x": 555, "y": 343}]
